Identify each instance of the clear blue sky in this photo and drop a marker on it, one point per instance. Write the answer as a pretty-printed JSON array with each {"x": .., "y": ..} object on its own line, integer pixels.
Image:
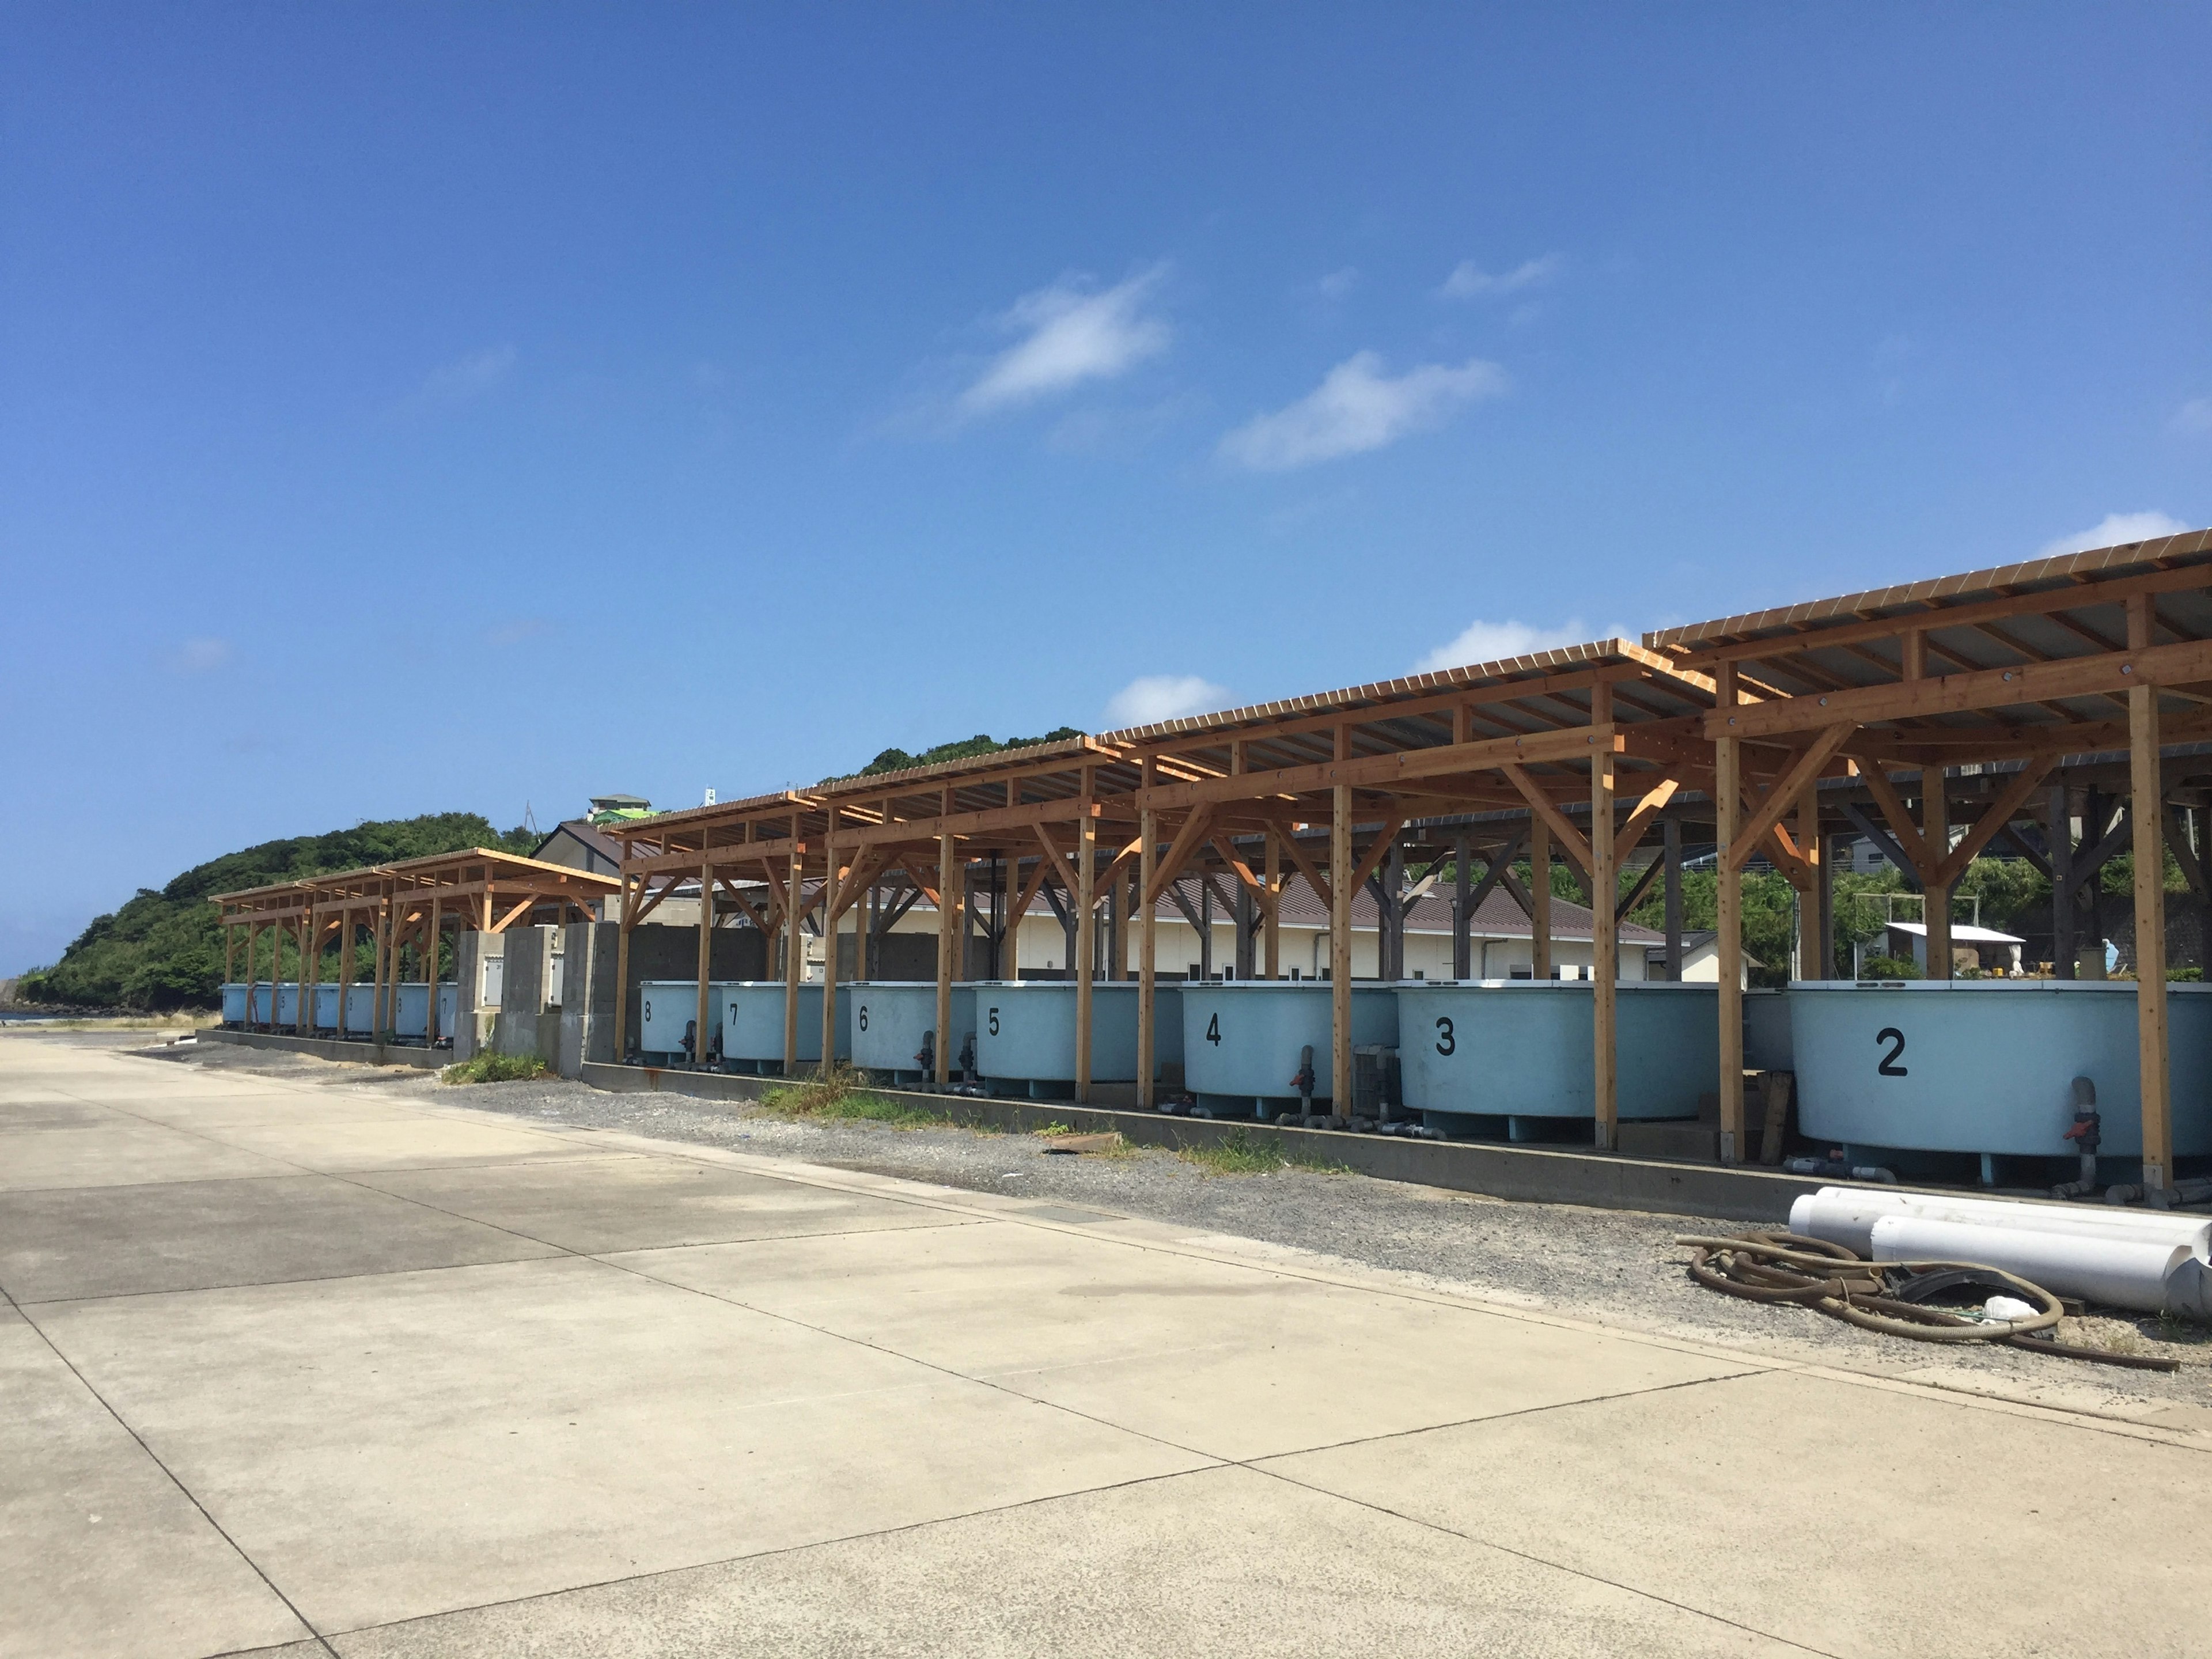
[{"x": 424, "y": 408}]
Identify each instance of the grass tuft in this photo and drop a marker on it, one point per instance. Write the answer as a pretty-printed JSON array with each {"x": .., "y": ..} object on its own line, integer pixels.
[
  {"x": 492, "y": 1068},
  {"x": 837, "y": 1093},
  {"x": 1242, "y": 1152}
]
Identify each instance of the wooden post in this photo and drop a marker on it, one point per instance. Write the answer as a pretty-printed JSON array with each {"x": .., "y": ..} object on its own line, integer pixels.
[
  {"x": 1148, "y": 832},
  {"x": 1010, "y": 925},
  {"x": 864, "y": 930},
  {"x": 2149, "y": 827},
  {"x": 832, "y": 888},
  {"x": 706, "y": 955},
  {"x": 794, "y": 948},
  {"x": 345, "y": 965},
  {"x": 632, "y": 890},
  {"x": 1340, "y": 946},
  {"x": 1728, "y": 808},
  {"x": 230, "y": 960},
  {"x": 1540, "y": 897},
  {"x": 951, "y": 936},
  {"x": 2058, "y": 836},
  {"x": 1814, "y": 846},
  {"x": 1936, "y": 901},
  {"x": 379, "y": 924},
  {"x": 430, "y": 929},
  {"x": 303, "y": 1015},
  {"x": 1086, "y": 924},
  {"x": 1463, "y": 911},
  {"x": 1670, "y": 833},
  {"x": 1271, "y": 922},
  {"x": 1605, "y": 955}
]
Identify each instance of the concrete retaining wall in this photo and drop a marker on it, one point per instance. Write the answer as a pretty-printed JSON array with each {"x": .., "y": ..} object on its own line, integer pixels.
[
  {"x": 360, "y": 1053},
  {"x": 1531, "y": 1174}
]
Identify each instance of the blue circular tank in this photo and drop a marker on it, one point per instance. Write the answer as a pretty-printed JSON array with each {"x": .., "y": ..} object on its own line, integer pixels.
[
  {"x": 1025, "y": 1032},
  {"x": 1987, "y": 1066},
  {"x": 891, "y": 1016},
  {"x": 1527, "y": 1048},
  {"x": 1241, "y": 1038},
  {"x": 752, "y": 1022}
]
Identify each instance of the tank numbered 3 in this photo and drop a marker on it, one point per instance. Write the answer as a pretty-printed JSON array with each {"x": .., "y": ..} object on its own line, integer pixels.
[
  {"x": 1895, "y": 1038},
  {"x": 1447, "y": 1044}
]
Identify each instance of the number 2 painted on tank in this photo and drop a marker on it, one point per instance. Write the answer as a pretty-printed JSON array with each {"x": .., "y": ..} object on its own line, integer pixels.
[
  {"x": 1895, "y": 1038},
  {"x": 1213, "y": 1031},
  {"x": 1446, "y": 1042}
]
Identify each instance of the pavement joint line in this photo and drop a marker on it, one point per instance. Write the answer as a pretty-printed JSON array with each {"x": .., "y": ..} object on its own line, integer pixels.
[
  {"x": 154, "y": 1458},
  {"x": 1557, "y": 1566},
  {"x": 1012, "y": 1507}
]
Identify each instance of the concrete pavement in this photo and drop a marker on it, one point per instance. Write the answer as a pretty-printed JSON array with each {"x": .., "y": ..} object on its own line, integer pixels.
[{"x": 306, "y": 1370}]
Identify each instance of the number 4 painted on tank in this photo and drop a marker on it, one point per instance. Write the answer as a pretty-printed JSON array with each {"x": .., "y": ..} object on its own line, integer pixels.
[
  {"x": 1213, "y": 1031},
  {"x": 1895, "y": 1038}
]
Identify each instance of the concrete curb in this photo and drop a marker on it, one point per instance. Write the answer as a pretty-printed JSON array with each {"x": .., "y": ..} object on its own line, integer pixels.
[
  {"x": 360, "y": 1052},
  {"x": 1535, "y": 1175}
]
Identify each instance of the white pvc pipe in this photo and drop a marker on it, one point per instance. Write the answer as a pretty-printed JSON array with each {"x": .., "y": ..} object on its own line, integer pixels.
[
  {"x": 2119, "y": 1272},
  {"x": 1846, "y": 1215}
]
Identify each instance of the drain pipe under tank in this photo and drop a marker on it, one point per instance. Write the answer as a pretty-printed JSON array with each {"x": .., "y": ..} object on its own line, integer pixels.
[{"x": 2088, "y": 1127}]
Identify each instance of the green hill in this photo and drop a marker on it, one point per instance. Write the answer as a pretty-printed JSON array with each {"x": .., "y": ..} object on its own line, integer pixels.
[{"x": 163, "y": 949}]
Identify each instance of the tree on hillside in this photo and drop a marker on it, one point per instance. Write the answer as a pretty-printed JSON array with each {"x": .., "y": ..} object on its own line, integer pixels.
[{"x": 163, "y": 949}]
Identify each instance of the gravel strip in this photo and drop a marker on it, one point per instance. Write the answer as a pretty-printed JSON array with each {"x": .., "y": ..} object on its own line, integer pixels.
[{"x": 1618, "y": 1268}]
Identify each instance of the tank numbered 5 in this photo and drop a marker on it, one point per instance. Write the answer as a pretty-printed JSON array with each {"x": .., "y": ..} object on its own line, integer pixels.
[{"x": 995, "y": 1021}]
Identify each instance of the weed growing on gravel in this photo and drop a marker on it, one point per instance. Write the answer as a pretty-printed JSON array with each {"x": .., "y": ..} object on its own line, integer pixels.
[
  {"x": 836, "y": 1093},
  {"x": 494, "y": 1068},
  {"x": 1242, "y": 1153}
]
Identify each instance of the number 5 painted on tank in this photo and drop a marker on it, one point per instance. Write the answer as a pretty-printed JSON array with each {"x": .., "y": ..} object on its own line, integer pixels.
[{"x": 1895, "y": 1038}]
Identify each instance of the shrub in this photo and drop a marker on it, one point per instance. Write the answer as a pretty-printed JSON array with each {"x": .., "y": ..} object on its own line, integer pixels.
[{"x": 491, "y": 1068}]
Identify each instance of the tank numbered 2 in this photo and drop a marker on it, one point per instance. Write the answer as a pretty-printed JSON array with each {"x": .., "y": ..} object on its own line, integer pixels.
[
  {"x": 1447, "y": 1043},
  {"x": 1895, "y": 1038}
]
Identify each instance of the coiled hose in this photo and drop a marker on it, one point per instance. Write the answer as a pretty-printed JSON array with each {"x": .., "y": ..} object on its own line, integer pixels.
[{"x": 1883, "y": 1296}]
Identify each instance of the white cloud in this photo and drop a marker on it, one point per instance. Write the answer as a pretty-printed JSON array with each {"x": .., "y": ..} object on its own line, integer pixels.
[
  {"x": 2117, "y": 530},
  {"x": 1469, "y": 281},
  {"x": 1492, "y": 642},
  {"x": 2195, "y": 415},
  {"x": 1338, "y": 283},
  {"x": 471, "y": 376},
  {"x": 203, "y": 656},
  {"x": 1357, "y": 407},
  {"x": 1156, "y": 697},
  {"x": 1070, "y": 335}
]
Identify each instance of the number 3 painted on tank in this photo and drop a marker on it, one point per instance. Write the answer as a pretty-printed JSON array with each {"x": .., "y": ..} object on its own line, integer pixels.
[
  {"x": 1895, "y": 1038},
  {"x": 1446, "y": 1042}
]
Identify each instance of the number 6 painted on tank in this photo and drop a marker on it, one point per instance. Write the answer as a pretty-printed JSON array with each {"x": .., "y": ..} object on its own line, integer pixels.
[
  {"x": 1895, "y": 1038},
  {"x": 1446, "y": 1042}
]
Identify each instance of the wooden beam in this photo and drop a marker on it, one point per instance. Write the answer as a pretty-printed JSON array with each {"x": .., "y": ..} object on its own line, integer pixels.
[
  {"x": 1728, "y": 920},
  {"x": 1086, "y": 926},
  {"x": 2118, "y": 671},
  {"x": 2147, "y": 792},
  {"x": 1341, "y": 888},
  {"x": 1994, "y": 817},
  {"x": 1188, "y": 839},
  {"x": 1782, "y": 795},
  {"x": 1555, "y": 821},
  {"x": 1380, "y": 771},
  {"x": 1605, "y": 954},
  {"x": 1318, "y": 882}
]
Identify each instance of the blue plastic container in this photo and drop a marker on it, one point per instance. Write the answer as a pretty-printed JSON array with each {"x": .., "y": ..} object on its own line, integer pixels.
[
  {"x": 1526, "y": 1048},
  {"x": 891, "y": 1017},
  {"x": 234, "y": 1004},
  {"x": 1988, "y": 1066},
  {"x": 1241, "y": 1038},
  {"x": 752, "y": 1024},
  {"x": 413, "y": 1003},
  {"x": 1025, "y": 1031},
  {"x": 668, "y": 1008}
]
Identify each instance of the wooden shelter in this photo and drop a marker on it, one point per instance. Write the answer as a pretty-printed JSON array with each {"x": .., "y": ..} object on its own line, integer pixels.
[
  {"x": 2017, "y": 668},
  {"x": 409, "y": 904}
]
